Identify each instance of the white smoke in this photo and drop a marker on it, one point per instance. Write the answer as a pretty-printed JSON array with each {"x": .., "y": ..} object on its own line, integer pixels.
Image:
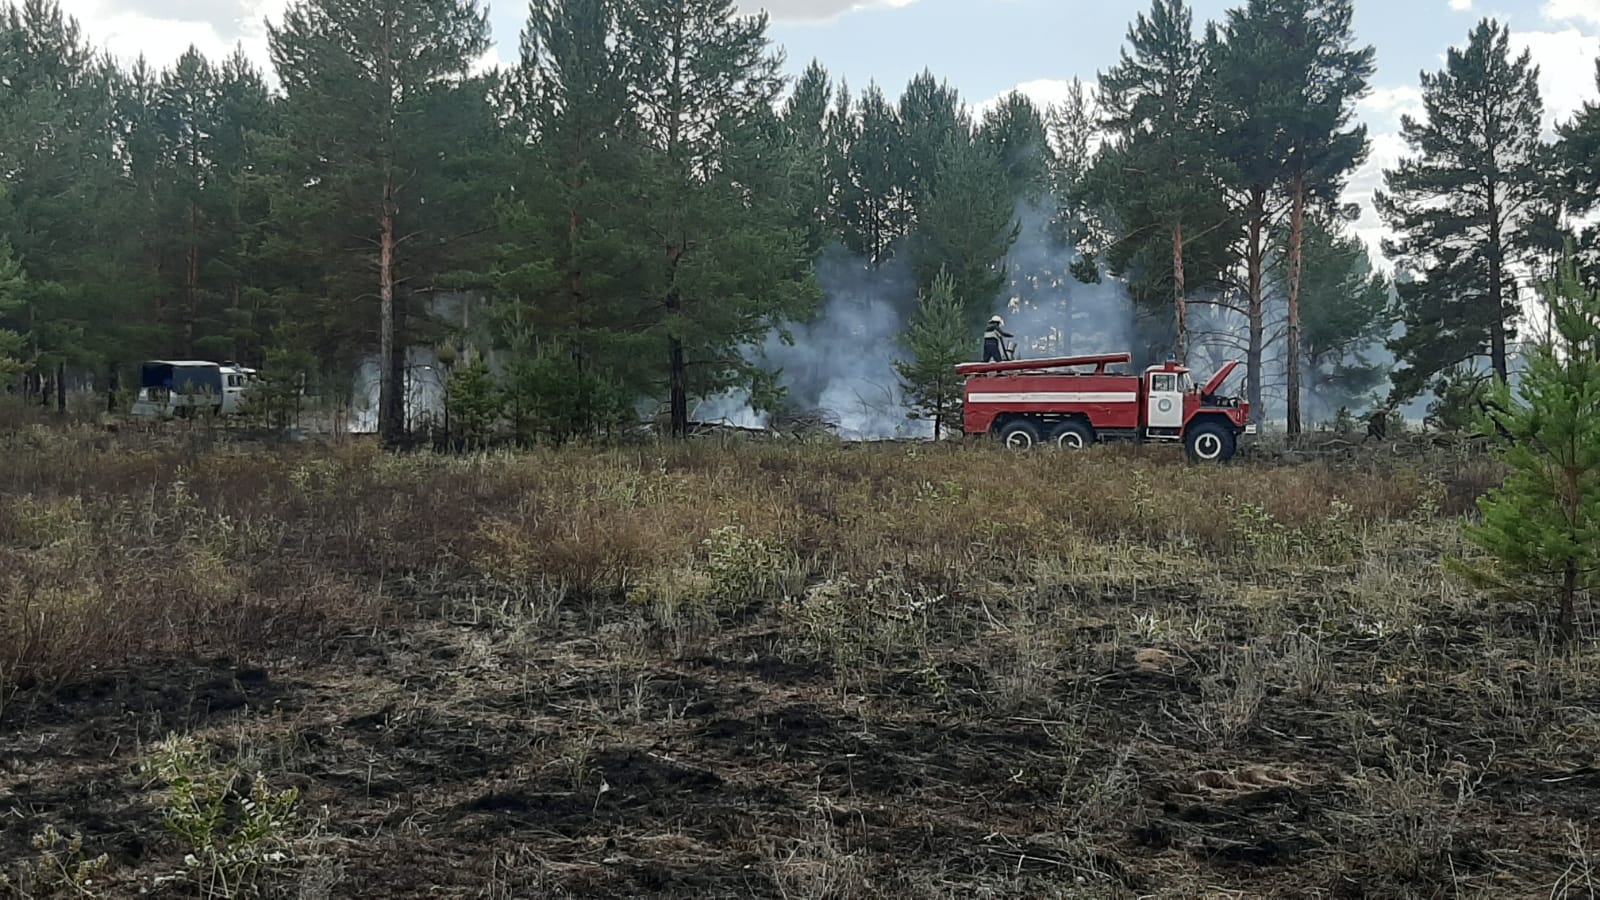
[
  {"x": 424, "y": 384},
  {"x": 1051, "y": 312},
  {"x": 840, "y": 365}
]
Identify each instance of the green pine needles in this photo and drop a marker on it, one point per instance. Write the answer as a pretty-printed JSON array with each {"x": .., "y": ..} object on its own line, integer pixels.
[
  {"x": 1543, "y": 525},
  {"x": 939, "y": 340}
]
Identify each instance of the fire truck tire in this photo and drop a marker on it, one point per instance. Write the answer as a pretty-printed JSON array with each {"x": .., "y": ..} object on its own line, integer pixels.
[
  {"x": 1019, "y": 434},
  {"x": 1072, "y": 435},
  {"x": 1210, "y": 442}
]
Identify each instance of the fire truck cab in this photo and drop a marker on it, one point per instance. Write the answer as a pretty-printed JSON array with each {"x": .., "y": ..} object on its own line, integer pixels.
[{"x": 1025, "y": 403}]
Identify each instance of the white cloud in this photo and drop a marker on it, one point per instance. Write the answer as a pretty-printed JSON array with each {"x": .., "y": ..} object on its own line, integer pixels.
[
  {"x": 1387, "y": 149},
  {"x": 1044, "y": 92},
  {"x": 816, "y": 12},
  {"x": 1382, "y": 108},
  {"x": 1566, "y": 61},
  {"x": 1461, "y": 5},
  {"x": 161, "y": 30},
  {"x": 1587, "y": 11}
]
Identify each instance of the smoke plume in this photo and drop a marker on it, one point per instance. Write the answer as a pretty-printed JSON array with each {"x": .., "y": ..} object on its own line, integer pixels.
[
  {"x": 840, "y": 365},
  {"x": 1051, "y": 312}
]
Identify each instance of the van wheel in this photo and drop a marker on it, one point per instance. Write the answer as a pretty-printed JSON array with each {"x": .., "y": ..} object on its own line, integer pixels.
[
  {"x": 1073, "y": 434},
  {"x": 1019, "y": 434},
  {"x": 1211, "y": 443}
]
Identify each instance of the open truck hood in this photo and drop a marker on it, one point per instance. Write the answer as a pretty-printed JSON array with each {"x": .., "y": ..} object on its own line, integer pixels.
[{"x": 1217, "y": 379}]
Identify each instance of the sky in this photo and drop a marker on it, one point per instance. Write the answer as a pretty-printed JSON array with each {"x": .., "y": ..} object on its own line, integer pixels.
[{"x": 986, "y": 48}]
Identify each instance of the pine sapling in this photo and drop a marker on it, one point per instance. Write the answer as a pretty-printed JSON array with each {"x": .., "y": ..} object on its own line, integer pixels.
[
  {"x": 1543, "y": 525},
  {"x": 938, "y": 339}
]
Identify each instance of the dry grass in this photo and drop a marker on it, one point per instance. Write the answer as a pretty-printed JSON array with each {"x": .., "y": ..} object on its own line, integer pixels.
[{"x": 792, "y": 671}]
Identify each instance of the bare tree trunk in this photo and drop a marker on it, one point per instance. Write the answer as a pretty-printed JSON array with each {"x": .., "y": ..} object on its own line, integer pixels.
[
  {"x": 1497, "y": 318},
  {"x": 1569, "y": 598},
  {"x": 1181, "y": 344},
  {"x": 1296, "y": 252},
  {"x": 192, "y": 278},
  {"x": 391, "y": 353},
  {"x": 391, "y": 382},
  {"x": 61, "y": 387},
  {"x": 1255, "y": 255},
  {"x": 680, "y": 389}
]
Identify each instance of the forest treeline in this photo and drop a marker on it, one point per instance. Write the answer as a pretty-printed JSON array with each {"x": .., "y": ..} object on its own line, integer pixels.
[{"x": 644, "y": 194}]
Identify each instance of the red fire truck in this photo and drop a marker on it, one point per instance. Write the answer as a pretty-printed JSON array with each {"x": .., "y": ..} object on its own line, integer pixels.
[{"x": 1028, "y": 402}]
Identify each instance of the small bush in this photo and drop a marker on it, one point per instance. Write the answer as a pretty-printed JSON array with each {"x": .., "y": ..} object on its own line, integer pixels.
[
  {"x": 234, "y": 846},
  {"x": 740, "y": 564},
  {"x": 61, "y": 868}
]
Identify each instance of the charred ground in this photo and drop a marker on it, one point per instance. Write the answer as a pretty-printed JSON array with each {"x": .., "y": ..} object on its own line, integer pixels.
[{"x": 717, "y": 670}]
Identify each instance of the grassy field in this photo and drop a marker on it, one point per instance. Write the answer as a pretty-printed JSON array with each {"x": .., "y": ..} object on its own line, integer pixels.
[{"x": 725, "y": 670}]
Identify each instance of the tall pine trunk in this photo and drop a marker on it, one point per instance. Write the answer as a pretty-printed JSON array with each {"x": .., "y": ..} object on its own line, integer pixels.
[
  {"x": 679, "y": 377},
  {"x": 1296, "y": 253},
  {"x": 1255, "y": 261},
  {"x": 192, "y": 278},
  {"x": 1181, "y": 311},
  {"x": 1497, "y": 318},
  {"x": 391, "y": 402}
]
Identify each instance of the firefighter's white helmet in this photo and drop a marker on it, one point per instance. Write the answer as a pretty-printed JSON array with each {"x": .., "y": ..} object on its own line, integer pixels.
[{"x": 997, "y": 322}]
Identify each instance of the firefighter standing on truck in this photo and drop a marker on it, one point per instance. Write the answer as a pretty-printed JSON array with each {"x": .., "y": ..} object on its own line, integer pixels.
[{"x": 994, "y": 340}]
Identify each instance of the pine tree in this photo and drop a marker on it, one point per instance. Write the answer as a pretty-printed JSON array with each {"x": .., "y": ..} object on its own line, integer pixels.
[
  {"x": 1073, "y": 125},
  {"x": 930, "y": 114},
  {"x": 873, "y": 206},
  {"x": 570, "y": 253},
  {"x": 805, "y": 121},
  {"x": 1286, "y": 77},
  {"x": 1461, "y": 207},
  {"x": 12, "y": 284},
  {"x": 1323, "y": 147},
  {"x": 68, "y": 219},
  {"x": 1543, "y": 525},
  {"x": 727, "y": 262},
  {"x": 1015, "y": 130},
  {"x": 1249, "y": 138},
  {"x": 189, "y": 133},
  {"x": 1578, "y": 157},
  {"x": 939, "y": 339},
  {"x": 240, "y": 209},
  {"x": 1154, "y": 180},
  {"x": 1345, "y": 315},
  {"x": 968, "y": 226},
  {"x": 361, "y": 78}
]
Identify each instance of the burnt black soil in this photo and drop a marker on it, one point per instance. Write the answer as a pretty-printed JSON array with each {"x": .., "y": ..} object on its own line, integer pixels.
[{"x": 460, "y": 761}]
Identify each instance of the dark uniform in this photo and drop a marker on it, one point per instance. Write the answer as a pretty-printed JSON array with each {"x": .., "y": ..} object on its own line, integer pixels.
[{"x": 993, "y": 348}]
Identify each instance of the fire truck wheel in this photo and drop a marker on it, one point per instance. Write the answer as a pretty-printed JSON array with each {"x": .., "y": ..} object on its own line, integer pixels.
[
  {"x": 1210, "y": 442},
  {"x": 1072, "y": 435},
  {"x": 1019, "y": 434}
]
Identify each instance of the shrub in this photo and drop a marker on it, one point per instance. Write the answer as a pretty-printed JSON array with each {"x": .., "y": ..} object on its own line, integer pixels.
[
  {"x": 474, "y": 405},
  {"x": 548, "y": 397},
  {"x": 233, "y": 844},
  {"x": 741, "y": 564},
  {"x": 61, "y": 868}
]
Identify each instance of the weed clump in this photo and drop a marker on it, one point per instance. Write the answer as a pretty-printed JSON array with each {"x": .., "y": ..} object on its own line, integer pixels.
[{"x": 234, "y": 845}]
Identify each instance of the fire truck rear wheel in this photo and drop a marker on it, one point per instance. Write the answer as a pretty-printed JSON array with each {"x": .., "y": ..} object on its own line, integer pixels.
[
  {"x": 1210, "y": 442},
  {"x": 1072, "y": 435},
  {"x": 1019, "y": 434}
]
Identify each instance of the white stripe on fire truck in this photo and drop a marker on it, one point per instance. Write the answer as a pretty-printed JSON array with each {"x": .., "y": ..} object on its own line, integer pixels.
[{"x": 1047, "y": 397}]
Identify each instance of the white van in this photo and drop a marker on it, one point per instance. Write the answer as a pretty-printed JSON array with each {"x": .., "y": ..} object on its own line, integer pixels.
[{"x": 174, "y": 387}]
